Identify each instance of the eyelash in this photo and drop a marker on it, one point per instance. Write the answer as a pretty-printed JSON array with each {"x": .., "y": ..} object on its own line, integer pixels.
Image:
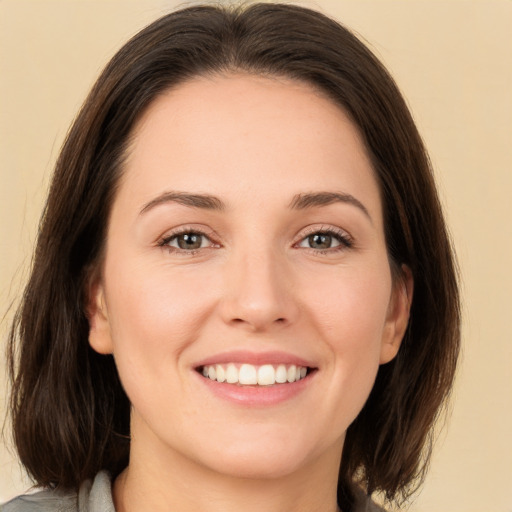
[
  {"x": 166, "y": 240},
  {"x": 345, "y": 241}
]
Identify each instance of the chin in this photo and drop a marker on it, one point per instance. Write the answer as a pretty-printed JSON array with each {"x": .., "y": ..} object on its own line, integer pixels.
[
  {"x": 265, "y": 457},
  {"x": 258, "y": 465}
]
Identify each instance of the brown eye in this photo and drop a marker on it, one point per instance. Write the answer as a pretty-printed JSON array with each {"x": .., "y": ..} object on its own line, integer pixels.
[
  {"x": 320, "y": 241},
  {"x": 325, "y": 240},
  {"x": 188, "y": 241}
]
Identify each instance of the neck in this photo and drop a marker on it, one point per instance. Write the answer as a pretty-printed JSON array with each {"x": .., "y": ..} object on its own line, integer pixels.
[{"x": 173, "y": 482}]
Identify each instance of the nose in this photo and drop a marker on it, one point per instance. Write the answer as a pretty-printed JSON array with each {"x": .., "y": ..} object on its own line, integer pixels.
[{"x": 259, "y": 293}]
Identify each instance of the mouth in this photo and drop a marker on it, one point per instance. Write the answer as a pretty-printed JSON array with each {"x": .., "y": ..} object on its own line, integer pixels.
[{"x": 246, "y": 374}]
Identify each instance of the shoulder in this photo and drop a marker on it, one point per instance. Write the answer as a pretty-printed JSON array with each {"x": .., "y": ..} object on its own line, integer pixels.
[
  {"x": 43, "y": 501},
  {"x": 93, "y": 496},
  {"x": 364, "y": 503}
]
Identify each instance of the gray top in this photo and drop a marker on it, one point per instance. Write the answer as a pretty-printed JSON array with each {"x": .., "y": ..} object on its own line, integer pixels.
[
  {"x": 96, "y": 496},
  {"x": 93, "y": 497}
]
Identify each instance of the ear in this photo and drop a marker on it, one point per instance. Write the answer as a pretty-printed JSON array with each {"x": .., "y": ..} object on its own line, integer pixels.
[
  {"x": 99, "y": 327},
  {"x": 397, "y": 316}
]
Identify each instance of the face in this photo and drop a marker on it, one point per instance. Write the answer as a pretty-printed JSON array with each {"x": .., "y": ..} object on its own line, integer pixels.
[{"x": 246, "y": 292}]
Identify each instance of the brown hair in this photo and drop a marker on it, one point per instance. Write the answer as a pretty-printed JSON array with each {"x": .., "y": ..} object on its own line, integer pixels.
[{"x": 70, "y": 413}]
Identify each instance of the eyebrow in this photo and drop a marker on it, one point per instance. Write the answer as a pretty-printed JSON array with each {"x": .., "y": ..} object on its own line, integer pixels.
[
  {"x": 203, "y": 201},
  {"x": 315, "y": 199},
  {"x": 299, "y": 201}
]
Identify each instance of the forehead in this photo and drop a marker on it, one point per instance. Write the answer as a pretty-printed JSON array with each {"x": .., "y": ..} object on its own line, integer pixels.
[{"x": 221, "y": 134}]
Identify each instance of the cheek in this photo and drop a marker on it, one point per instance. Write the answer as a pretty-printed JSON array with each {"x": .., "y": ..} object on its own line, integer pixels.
[
  {"x": 154, "y": 315},
  {"x": 350, "y": 305},
  {"x": 350, "y": 313}
]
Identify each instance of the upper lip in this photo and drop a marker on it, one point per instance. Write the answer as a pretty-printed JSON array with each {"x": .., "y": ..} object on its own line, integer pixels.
[{"x": 254, "y": 358}]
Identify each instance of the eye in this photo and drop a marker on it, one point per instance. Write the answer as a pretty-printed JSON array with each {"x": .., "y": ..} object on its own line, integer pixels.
[
  {"x": 187, "y": 241},
  {"x": 323, "y": 240}
]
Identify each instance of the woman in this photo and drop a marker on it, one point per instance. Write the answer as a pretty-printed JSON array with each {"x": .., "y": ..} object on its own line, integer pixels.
[{"x": 243, "y": 292}]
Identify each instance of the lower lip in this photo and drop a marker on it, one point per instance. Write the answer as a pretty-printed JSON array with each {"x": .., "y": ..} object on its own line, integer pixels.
[{"x": 253, "y": 396}]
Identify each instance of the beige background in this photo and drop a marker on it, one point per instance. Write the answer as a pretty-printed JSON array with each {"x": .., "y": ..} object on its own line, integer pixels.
[{"x": 452, "y": 59}]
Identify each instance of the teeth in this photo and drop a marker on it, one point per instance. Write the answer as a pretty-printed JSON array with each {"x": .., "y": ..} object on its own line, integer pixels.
[
  {"x": 292, "y": 370},
  {"x": 266, "y": 375},
  {"x": 281, "y": 374},
  {"x": 221, "y": 374},
  {"x": 232, "y": 374},
  {"x": 250, "y": 375},
  {"x": 247, "y": 375}
]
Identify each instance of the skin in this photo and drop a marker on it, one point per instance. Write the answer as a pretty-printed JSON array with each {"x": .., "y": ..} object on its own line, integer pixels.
[{"x": 255, "y": 284}]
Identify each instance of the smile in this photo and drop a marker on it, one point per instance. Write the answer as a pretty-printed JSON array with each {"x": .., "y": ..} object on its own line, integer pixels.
[{"x": 254, "y": 375}]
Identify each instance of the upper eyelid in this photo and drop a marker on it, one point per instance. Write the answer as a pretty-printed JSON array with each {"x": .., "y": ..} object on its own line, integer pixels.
[
  {"x": 190, "y": 228},
  {"x": 322, "y": 228}
]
